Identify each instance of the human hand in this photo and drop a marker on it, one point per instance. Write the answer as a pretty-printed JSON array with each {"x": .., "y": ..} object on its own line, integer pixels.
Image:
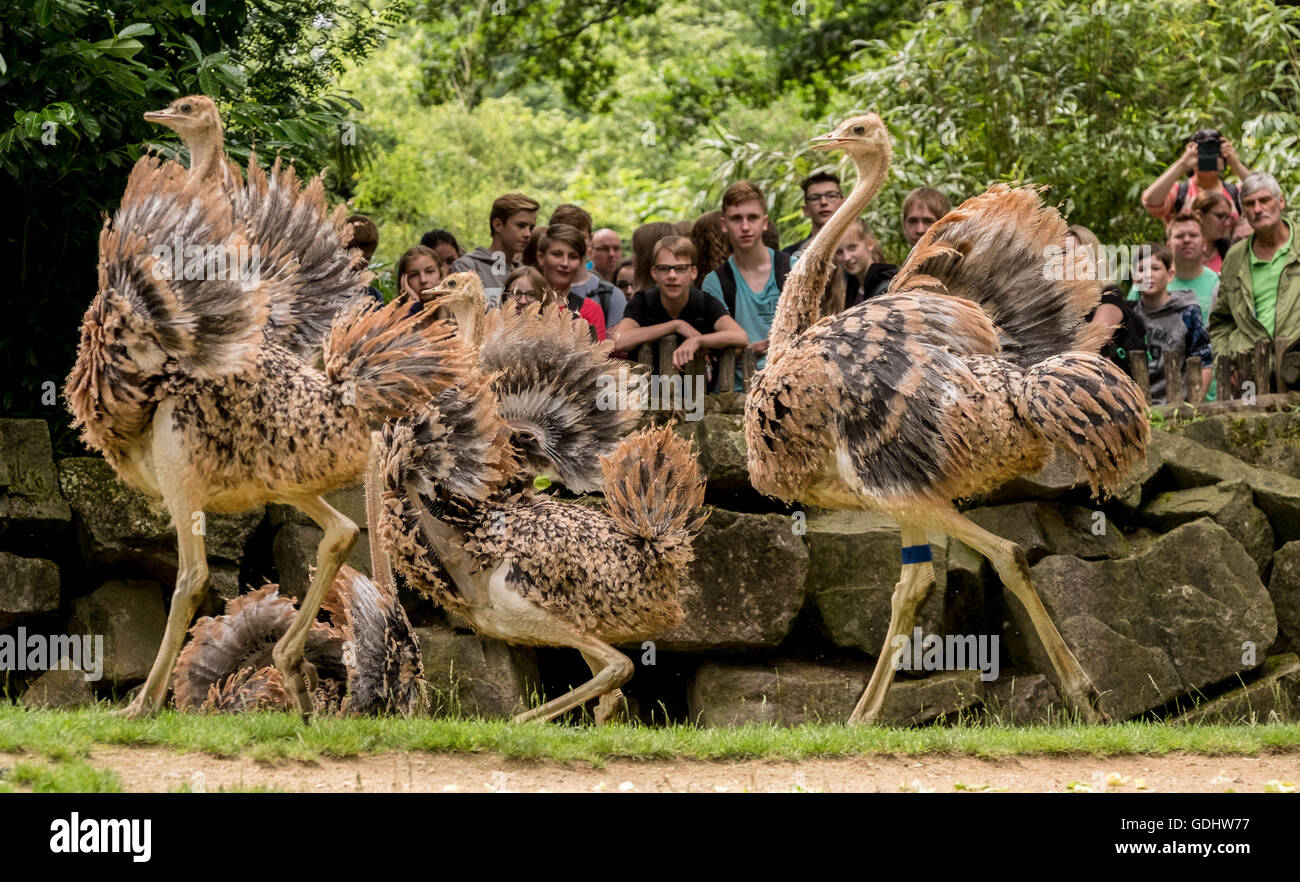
[
  {"x": 684, "y": 329},
  {"x": 1188, "y": 159},
  {"x": 685, "y": 354},
  {"x": 1229, "y": 152},
  {"x": 759, "y": 348}
]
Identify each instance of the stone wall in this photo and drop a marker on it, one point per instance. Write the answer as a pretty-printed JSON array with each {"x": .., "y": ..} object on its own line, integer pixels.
[{"x": 1180, "y": 595}]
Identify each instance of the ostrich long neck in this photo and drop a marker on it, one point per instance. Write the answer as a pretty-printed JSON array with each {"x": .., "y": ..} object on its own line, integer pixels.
[
  {"x": 206, "y": 155},
  {"x": 799, "y": 305}
]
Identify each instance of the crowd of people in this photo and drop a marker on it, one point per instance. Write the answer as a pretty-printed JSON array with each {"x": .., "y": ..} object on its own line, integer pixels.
[{"x": 1225, "y": 276}]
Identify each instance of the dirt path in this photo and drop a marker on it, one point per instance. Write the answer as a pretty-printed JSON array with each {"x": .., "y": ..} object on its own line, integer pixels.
[{"x": 159, "y": 770}]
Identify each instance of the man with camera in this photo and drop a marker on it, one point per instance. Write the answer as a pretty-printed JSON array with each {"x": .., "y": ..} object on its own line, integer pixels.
[{"x": 1206, "y": 156}]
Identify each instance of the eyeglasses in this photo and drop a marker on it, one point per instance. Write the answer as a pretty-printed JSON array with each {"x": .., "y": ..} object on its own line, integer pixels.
[
  {"x": 824, "y": 197},
  {"x": 624, "y": 285},
  {"x": 521, "y": 295},
  {"x": 679, "y": 268}
]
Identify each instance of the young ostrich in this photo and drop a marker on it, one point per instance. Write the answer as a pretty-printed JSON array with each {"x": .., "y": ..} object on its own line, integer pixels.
[
  {"x": 459, "y": 520},
  {"x": 197, "y": 398},
  {"x": 964, "y": 374},
  {"x": 368, "y": 658}
]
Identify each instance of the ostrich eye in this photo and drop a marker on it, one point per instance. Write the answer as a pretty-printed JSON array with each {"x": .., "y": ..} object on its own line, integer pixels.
[
  {"x": 451, "y": 283},
  {"x": 859, "y": 130},
  {"x": 185, "y": 108}
]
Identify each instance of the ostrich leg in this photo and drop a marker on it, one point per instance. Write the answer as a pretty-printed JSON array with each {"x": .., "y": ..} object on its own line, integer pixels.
[
  {"x": 612, "y": 703},
  {"x": 911, "y": 591},
  {"x": 611, "y": 668},
  {"x": 184, "y": 500},
  {"x": 340, "y": 535},
  {"x": 1009, "y": 561}
]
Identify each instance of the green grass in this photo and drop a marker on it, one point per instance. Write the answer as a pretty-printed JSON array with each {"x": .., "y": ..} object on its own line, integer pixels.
[
  {"x": 71, "y": 776},
  {"x": 70, "y": 735}
]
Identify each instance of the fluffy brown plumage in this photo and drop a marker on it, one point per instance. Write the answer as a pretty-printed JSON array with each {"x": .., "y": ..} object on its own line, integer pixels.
[
  {"x": 460, "y": 521},
  {"x": 196, "y": 395},
  {"x": 367, "y": 657},
  {"x": 964, "y": 374}
]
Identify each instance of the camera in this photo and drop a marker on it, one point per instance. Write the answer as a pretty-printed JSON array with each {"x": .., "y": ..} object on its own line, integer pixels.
[{"x": 1208, "y": 143}]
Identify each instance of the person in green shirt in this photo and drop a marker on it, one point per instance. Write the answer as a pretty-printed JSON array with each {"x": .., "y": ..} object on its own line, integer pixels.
[{"x": 1259, "y": 288}]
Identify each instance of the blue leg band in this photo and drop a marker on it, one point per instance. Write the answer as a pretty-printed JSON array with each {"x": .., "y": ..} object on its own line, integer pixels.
[{"x": 917, "y": 554}]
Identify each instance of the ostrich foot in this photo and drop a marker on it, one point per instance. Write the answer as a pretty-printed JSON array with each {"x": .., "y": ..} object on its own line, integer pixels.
[
  {"x": 612, "y": 708},
  {"x": 140, "y": 708},
  {"x": 300, "y": 681}
]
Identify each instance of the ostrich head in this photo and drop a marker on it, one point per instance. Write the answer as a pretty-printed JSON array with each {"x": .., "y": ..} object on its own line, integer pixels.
[
  {"x": 461, "y": 295},
  {"x": 864, "y": 138},
  {"x": 194, "y": 118}
]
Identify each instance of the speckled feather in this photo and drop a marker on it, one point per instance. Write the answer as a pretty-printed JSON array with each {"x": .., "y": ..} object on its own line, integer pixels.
[
  {"x": 221, "y": 648},
  {"x": 931, "y": 399}
]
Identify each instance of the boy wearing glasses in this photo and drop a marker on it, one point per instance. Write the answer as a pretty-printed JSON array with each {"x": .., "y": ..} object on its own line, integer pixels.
[
  {"x": 822, "y": 197},
  {"x": 672, "y": 306}
]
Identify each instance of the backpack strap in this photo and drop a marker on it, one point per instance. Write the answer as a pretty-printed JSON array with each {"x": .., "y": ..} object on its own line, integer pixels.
[
  {"x": 782, "y": 268},
  {"x": 575, "y": 303},
  {"x": 604, "y": 290},
  {"x": 727, "y": 279}
]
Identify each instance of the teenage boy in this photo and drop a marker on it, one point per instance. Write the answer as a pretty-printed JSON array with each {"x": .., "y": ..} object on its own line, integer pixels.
[
  {"x": 1187, "y": 241},
  {"x": 822, "y": 197},
  {"x": 673, "y": 306},
  {"x": 749, "y": 282},
  {"x": 511, "y": 221},
  {"x": 611, "y": 300},
  {"x": 1173, "y": 321},
  {"x": 922, "y": 209}
]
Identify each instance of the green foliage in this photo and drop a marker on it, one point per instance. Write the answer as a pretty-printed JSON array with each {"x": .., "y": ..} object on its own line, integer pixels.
[
  {"x": 1093, "y": 100},
  {"x": 75, "y": 78}
]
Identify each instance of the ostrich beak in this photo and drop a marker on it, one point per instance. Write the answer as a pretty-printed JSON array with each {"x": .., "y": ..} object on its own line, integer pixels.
[
  {"x": 826, "y": 141},
  {"x": 159, "y": 116}
]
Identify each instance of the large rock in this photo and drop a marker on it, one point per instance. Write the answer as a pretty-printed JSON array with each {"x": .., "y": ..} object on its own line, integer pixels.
[
  {"x": 118, "y": 524},
  {"x": 31, "y": 507},
  {"x": 720, "y": 447},
  {"x": 853, "y": 565},
  {"x": 59, "y": 688},
  {"x": 745, "y": 586},
  {"x": 1023, "y": 700},
  {"x": 294, "y": 550},
  {"x": 790, "y": 693},
  {"x": 1231, "y": 506},
  {"x": 1136, "y": 485},
  {"x": 1274, "y": 697},
  {"x": 28, "y": 586},
  {"x": 1266, "y": 440},
  {"x": 1192, "y": 465},
  {"x": 1284, "y": 588},
  {"x": 129, "y": 615},
  {"x": 1043, "y": 528},
  {"x": 1167, "y": 621},
  {"x": 785, "y": 693},
  {"x": 475, "y": 676}
]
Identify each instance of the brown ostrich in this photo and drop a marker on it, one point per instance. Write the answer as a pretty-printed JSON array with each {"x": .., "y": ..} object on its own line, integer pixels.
[
  {"x": 964, "y": 374},
  {"x": 367, "y": 658},
  {"x": 461, "y": 523},
  {"x": 198, "y": 397}
]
